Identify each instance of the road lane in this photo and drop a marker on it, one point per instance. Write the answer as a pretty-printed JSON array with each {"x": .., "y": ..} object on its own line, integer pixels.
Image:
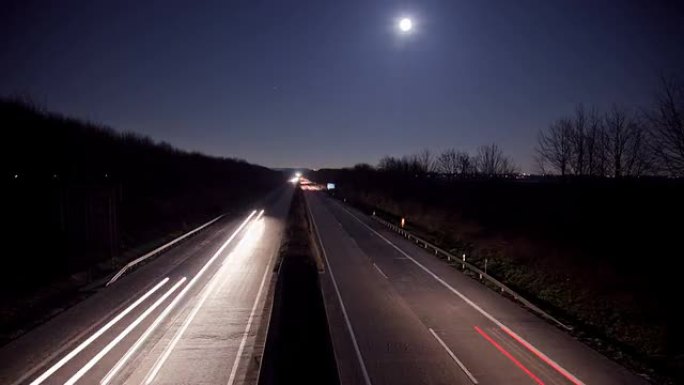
[
  {"x": 394, "y": 345},
  {"x": 427, "y": 287},
  {"x": 24, "y": 359},
  {"x": 214, "y": 348}
]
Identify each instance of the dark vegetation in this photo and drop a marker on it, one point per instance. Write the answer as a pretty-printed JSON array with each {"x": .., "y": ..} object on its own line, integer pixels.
[
  {"x": 604, "y": 255},
  {"x": 597, "y": 244},
  {"x": 620, "y": 142},
  {"x": 79, "y": 200},
  {"x": 298, "y": 347}
]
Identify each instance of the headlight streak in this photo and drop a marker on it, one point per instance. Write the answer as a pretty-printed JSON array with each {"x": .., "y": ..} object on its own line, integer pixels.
[
  {"x": 108, "y": 378},
  {"x": 123, "y": 334},
  {"x": 97, "y": 334},
  {"x": 248, "y": 239}
]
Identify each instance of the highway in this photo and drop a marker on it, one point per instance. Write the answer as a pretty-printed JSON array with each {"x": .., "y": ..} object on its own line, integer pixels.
[
  {"x": 193, "y": 315},
  {"x": 399, "y": 315}
]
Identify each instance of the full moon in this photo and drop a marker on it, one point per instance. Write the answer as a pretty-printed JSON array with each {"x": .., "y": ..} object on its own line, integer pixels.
[{"x": 405, "y": 24}]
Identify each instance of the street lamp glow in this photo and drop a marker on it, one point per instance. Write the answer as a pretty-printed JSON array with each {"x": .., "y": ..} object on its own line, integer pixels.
[{"x": 405, "y": 24}]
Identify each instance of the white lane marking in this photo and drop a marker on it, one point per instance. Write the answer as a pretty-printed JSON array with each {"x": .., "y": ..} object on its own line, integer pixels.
[
  {"x": 170, "y": 307},
  {"x": 467, "y": 300},
  {"x": 97, "y": 334},
  {"x": 543, "y": 370},
  {"x": 158, "y": 249},
  {"x": 453, "y": 356},
  {"x": 122, "y": 335},
  {"x": 233, "y": 371},
  {"x": 339, "y": 297},
  {"x": 162, "y": 359},
  {"x": 207, "y": 292},
  {"x": 247, "y": 237},
  {"x": 380, "y": 271}
]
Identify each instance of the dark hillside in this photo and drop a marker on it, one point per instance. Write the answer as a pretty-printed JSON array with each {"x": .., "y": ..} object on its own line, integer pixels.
[{"x": 77, "y": 194}]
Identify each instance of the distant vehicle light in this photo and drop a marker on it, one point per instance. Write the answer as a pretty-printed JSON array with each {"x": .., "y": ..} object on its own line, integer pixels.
[{"x": 331, "y": 186}]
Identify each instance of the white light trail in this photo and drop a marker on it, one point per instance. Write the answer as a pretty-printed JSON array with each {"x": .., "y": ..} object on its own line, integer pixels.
[
  {"x": 172, "y": 305},
  {"x": 121, "y": 336},
  {"x": 97, "y": 334}
]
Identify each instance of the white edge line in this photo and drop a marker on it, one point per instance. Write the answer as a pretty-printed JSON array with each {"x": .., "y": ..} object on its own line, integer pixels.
[
  {"x": 380, "y": 271},
  {"x": 467, "y": 300},
  {"x": 97, "y": 334},
  {"x": 158, "y": 249},
  {"x": 458, "y": 362},
  {"x": 233, "y": 371},
  {"x": 170, "y": 307},
  {"x": 339, "y": 297},
  {"x": 122, "y": 335},
  {"x": 162, "y": 359}
]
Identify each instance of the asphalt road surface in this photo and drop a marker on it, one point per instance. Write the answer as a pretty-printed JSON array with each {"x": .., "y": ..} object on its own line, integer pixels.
[
  {"x": 190, "y": 316},
  {"x": 398, "y": 315}
]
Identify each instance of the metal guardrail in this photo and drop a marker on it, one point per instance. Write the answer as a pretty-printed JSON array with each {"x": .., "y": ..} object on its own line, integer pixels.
[
  {"x": 473, "y": 268},
  {"x": 159, "y": 250}
]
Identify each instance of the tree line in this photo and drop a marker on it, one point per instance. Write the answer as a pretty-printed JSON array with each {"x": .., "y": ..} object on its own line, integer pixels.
[
  {"x": 488, "y": 160},
  {"x": 95, "y": 194},
  {"x": 619, "y": 142}
]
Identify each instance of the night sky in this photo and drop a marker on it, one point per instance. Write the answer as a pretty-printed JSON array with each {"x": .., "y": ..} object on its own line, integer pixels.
[{"x": 332, "y": 83}]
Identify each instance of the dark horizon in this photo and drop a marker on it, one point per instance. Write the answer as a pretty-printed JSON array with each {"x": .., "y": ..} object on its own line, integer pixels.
[{"x": 330, "y": 85}]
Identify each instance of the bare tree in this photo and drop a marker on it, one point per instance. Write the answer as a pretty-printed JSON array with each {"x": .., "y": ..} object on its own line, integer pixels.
[
  {"x": 618, "y": 138},
  {"x": 666, "y": 120},
  {"x": 363, "y": 167},
  {"x": 554, "y": 147},
  {"x": 466, "y": 164},
  {"x": 595, "y": 153},
  {"x": 455, "y": 163},
  {"x": 447, "y": 163},
  {"x": 389, "y": 164},
  {"x": 491, "y": 160},
  {"x": 578, "y": 141},
  {"x": 626, "y": 143},
  {"x": 424, "y": 162},
  {"x": 640, "y": 155}
]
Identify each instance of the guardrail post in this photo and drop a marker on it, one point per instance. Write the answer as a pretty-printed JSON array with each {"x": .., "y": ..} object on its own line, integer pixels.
[
  {"x": 485, "y": 269},
  {"x": 481, "y": 273}
]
